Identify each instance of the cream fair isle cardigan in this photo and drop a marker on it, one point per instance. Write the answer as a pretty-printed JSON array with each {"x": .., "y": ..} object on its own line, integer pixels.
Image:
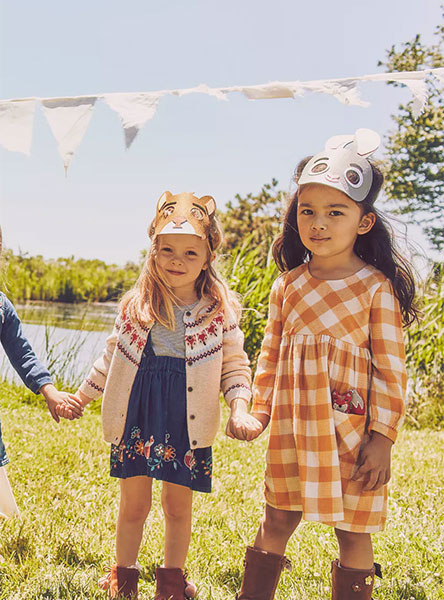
[{"x": 214, "y": 359}]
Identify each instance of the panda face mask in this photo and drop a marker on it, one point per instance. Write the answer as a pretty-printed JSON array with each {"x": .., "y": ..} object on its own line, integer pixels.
[{"x": 343, "y": 164}]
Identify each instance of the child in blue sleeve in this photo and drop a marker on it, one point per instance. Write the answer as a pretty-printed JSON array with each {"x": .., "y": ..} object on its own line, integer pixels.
[{"x": 35, "y": 376}]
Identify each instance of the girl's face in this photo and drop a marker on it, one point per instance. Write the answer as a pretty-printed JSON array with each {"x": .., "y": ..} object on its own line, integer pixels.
[
  {"x": 180, "y": 258},
  {"x": 329, "y": 221}
]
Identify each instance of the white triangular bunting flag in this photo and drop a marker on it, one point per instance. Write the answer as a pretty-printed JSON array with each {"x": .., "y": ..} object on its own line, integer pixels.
[
  {"x": 68, "y": 119},
  {"x": 16, "y": 123},
  {"x": 275, "y": 89},
  {"x": 345, "y": 90},
  {"x": 418, "y": 87},
  {"x": 203, "y": 88},
  {"x": 134, "y": 110},
  {"x": 439, "y": 74}
]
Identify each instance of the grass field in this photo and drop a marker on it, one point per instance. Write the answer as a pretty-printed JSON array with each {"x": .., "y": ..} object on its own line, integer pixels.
[{"x": 65, "y": 536}]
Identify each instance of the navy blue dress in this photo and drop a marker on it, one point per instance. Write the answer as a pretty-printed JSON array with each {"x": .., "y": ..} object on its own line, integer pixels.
[{"x": 155, "y": 441}]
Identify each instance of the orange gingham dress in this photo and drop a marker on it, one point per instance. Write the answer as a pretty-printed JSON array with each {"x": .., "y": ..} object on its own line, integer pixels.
[{"x": 321, "y": 336}]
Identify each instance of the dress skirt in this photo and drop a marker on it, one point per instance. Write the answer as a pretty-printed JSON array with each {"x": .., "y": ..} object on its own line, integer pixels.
[{"x": 155, "y": 441}]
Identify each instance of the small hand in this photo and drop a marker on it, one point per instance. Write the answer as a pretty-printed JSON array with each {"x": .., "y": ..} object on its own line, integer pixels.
[
  {"x": 55, "y": 399},
  {"x": 374, "y": 462},
  {"x": 243, "y": 426},
  {"x": 70, "y": 407}
]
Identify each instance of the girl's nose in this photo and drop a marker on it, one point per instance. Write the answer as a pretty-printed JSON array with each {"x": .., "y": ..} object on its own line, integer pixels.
[{"x": 318, "y": 224}]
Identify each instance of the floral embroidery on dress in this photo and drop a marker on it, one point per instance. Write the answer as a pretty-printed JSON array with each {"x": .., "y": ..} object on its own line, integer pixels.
[
  {"x": 163, "y": 452},
  {"x": 117, "y": 454},
  {"x": 190, "y": 461},
  {"x": 208, "y": 466}
]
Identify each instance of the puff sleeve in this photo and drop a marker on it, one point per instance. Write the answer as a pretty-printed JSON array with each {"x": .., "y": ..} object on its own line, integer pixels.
[
  {"x": 264, "y": 380},
  {"x": 389, "y": 379}
]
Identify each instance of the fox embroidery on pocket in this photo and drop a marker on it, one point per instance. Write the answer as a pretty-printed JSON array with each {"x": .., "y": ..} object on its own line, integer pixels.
[{"x": 350, "y": 402}]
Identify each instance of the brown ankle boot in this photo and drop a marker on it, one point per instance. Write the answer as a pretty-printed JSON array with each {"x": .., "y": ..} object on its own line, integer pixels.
[
  {"x": 123, "y": 582},
  {"x": 261, "y": 575},
  {"x": 171, "y": 584},
  {"x": 352, "y": 584}
]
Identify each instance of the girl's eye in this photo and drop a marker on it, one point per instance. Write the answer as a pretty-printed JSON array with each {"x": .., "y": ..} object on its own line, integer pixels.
[
  {"x": 306, "y": 211},
  {"x": 196, "y": 213},
  {"x": 336, "y": 213},
  {"x": 168, "y": 211},
  {"x": 165, "y": 249},
  {"x": 354, "y": 177},
  {"x": 319, "y": 167},
  {"x": 191, "y": 253}
]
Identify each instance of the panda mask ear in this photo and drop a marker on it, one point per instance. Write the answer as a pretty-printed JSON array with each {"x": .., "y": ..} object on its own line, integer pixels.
[
  {"x": 338, "y": 141},
  {"x": 209, "y": 203},
  {"x": 364, "y": 142},
  {"x": 367, "y": 141}
]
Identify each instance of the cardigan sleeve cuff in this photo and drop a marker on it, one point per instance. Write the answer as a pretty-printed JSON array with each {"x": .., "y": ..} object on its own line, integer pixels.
[
  {"x": 91, "y": 389},
  {"x": 237, "y": 390}
]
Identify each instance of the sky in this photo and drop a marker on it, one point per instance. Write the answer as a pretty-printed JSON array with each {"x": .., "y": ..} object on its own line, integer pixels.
[{"x": 195, "y": 143}]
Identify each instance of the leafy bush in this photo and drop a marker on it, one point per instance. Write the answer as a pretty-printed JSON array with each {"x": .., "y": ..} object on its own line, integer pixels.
[
  {"x": 247, "y": 275},
  {"x": 64, "y": 279},
  {"x": 425, "y": 356}
]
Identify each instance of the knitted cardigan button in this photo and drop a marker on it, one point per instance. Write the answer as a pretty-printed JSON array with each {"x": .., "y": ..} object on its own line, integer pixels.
[
  {"x": 192, "y": 417},
  {"x": 188, "y": 314},
  {"x": 190, "y": 389},
  {"x": 194, "y": 443}
]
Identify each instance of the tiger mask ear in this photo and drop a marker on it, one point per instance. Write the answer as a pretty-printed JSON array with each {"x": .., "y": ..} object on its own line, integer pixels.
[
  {"x": 209, "y": 203},
  {"x": 165, "y": 197}
]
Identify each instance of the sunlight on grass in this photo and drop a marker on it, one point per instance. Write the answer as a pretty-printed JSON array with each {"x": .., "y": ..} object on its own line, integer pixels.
[{"x": 65, "y": 537}]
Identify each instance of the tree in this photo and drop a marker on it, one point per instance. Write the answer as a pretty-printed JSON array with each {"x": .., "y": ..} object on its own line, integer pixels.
[
  {"x": 415, "y": 148},
  {"x": 254, "y": 216}
]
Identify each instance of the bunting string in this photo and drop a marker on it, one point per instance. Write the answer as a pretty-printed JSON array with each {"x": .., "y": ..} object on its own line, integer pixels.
[{"x": 69, "y": 117}]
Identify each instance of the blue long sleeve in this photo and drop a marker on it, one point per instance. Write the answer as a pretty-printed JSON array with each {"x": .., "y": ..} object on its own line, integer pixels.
[{"x": 18, "y": 348}]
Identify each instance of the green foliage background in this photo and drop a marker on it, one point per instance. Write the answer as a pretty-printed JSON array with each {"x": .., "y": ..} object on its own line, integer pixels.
[
  {"x": 64, "y": 279},
  {"x": 414, "y": 172},
  {"x": 425, "y": 355}
]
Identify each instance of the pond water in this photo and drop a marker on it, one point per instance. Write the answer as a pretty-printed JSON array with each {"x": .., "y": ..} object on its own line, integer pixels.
[{"x": 66, "y": 337}]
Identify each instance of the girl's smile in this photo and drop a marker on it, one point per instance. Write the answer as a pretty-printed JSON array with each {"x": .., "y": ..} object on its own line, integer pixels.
[{"x": 181, "y": 259}]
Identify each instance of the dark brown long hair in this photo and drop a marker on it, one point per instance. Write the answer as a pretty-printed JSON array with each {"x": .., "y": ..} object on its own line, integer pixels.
[{"x": 376, "y": 247}]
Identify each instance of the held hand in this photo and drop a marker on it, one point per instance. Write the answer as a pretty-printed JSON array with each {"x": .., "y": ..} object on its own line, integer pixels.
[
  {"x": 373, "y": 464},
  {"x": 241, "y": 424},
  {"x": 73, "y": 409}
]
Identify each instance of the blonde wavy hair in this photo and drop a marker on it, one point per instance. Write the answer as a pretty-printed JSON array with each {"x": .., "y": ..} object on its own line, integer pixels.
[{"x": 152, "y": 299}]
